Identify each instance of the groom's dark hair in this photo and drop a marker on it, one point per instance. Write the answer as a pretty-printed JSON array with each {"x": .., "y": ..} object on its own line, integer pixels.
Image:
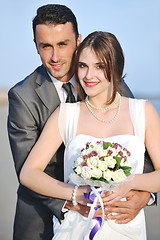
[{"x": 54, "y": 14}]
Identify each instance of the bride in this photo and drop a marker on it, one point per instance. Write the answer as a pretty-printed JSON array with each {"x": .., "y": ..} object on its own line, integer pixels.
[{"x": 103, "y": 114}]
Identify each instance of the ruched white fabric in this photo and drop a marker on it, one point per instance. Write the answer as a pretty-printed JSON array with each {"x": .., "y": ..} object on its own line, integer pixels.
[{"x": 74, "y": 224}]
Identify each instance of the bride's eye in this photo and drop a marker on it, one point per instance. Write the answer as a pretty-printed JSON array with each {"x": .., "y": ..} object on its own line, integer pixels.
[
  {"x": 100, "y": 66},
  {"x": 81, "y": 65}
]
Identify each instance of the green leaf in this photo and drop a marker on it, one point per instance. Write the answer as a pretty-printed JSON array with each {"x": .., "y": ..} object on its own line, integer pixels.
[
  {"x": 127, "y": 170},
  {"x": 103, "y": 180},
  {"x": 106, "y": 145},
  {"x": 100, "y": 179},
  {"x": 118, "y": 160}
]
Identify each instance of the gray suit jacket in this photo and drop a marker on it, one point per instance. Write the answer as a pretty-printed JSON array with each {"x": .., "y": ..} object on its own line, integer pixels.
[{"x": 31, "y": 102}]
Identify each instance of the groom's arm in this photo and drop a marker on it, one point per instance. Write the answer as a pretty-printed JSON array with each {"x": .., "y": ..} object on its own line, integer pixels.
[
  {"x": 128, "y": 210},
  {"x": 23, "y": 133}
]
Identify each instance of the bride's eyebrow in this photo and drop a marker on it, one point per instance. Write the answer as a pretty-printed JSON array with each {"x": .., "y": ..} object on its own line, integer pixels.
[
  {"x": 100, "y": 63},
  {"x": 96, "y": 63},
  {"x": 80, "y": 62}
]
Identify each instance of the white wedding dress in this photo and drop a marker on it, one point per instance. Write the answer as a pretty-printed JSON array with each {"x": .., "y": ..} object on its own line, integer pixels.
[{"x": 73, "y": 226}]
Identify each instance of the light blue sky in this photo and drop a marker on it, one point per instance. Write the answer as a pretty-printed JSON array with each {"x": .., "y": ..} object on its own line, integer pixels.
[{"x": 136, "y": 23}]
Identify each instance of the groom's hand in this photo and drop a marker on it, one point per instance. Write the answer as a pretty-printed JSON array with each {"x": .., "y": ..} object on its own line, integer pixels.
[
  {"x": 84, "y": 210},
  {"x": 128, "y": 210}
]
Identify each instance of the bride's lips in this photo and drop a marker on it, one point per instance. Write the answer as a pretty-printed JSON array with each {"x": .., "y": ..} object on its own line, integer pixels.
[
  {"x": 57, "y": 66},
  {"x": 90, "y": 84}
]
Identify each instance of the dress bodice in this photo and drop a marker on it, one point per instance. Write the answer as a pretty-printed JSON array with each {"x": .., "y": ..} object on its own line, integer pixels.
[{"x": 68, "y": 120}]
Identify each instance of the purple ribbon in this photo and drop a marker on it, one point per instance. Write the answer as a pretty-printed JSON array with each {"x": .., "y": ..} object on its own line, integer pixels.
[
  {"x": 95, "y": 228},
  {"x": 91, "y": 197}
]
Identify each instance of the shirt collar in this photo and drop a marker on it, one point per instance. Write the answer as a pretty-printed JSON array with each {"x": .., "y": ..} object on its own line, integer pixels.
[
  {"x": 61, "y": 92},
  {"x": 59, "y": 83}
]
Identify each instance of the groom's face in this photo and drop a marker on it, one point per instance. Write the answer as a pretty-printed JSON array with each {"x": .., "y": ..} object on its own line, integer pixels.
[{"x": 56, "y": 45}]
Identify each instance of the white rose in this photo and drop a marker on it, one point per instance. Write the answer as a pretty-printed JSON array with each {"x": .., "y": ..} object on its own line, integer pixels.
[
  {"x": 78, "y": 170},
  {"x": 110, "y": 161},
  {"x": 96, "y": 173},
  {"x": 114, "y": 151},
  {"x": 107, "y": 175},
  {"x": 99, "y": 147},
  {"x": 118, "y": 175},
  {"x": 86, "y": 172},
  {"x": 87, "y": 151},
  {"x": 126, "y": 162},
  {"x": 78, "y": 161},
  {"x": 92, "y": 161},
  {"x": 102, "y": 152},
  {"x": 102, "y": 165}
]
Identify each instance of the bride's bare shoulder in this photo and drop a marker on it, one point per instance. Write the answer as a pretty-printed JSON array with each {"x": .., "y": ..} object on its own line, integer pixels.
[
  {"x": 124, "y": 102},
  {"x": 151, "y": 112}
]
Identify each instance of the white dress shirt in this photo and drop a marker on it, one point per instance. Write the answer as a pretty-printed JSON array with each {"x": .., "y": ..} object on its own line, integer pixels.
[{"x": 61, "y": 91}]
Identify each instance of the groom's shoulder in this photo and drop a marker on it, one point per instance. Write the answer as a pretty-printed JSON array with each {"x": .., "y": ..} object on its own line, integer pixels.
[
  {"x": 29, "y": 83},
  {"x": 30, "y": 79}
]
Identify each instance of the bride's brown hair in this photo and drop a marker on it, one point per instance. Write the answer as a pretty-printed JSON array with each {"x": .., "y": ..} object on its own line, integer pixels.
[{"x": 107, "y": 48}]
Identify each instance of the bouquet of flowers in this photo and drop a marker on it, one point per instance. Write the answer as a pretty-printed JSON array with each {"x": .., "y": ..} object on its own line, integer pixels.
[
  {"x": 103, "y": 162},
  {"x": 103, "y": 166}
]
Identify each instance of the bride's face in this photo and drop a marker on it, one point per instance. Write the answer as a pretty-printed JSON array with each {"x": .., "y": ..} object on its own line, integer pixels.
[{"x": 91, "y": 74}]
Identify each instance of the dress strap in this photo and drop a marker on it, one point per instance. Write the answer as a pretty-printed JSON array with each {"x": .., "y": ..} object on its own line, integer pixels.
[
  {"x": 68, "y": 120},
  {"x": 137, "y": 113}
]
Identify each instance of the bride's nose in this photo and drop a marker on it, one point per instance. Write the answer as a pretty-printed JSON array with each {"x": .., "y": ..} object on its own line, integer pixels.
[{"x": 89, "y": 73}]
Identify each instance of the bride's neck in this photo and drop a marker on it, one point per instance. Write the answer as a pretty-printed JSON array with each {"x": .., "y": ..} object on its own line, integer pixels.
[{"x": 98, "y": 102}]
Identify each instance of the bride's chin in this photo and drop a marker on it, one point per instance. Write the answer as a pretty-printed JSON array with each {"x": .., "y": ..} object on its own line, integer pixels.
[{"x": 91, "y": 94}]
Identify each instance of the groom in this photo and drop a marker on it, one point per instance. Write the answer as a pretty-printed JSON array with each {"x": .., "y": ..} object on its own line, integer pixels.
[{"x": 31, "y": 102}]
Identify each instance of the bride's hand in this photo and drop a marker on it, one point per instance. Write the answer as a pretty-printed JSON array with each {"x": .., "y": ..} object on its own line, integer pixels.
[
  {"x": 80, "y": 195},
  {"x": 111, "y": 197}
]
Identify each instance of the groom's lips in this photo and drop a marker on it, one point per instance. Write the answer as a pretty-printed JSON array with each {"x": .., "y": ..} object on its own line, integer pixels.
[{"x": 57, "y": 66}]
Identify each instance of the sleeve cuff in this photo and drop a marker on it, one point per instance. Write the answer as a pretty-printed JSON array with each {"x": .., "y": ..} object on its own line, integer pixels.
[
  {"x": 151, "y": 200},
  {"x": 64, "y": 210}
]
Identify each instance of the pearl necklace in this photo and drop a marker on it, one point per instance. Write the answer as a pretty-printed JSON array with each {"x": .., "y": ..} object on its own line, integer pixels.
[
  {"x": 102, "y": 120},
  {"x": 106, "y": 108}
]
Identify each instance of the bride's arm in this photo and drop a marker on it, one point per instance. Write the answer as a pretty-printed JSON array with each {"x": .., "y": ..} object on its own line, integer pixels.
[
  {"x": 32, "y": 174},
  {"x": 149, "y": 181}
]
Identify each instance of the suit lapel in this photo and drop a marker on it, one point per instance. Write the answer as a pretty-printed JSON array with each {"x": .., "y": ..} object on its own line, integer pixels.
[{"x": 46, "y": 90}]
